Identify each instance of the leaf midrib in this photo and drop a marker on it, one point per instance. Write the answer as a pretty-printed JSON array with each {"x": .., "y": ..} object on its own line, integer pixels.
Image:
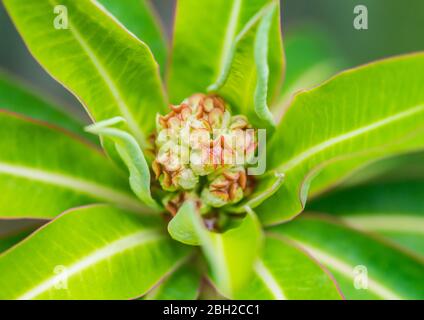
[
  {"x": 107, "y": 252},
  {"x": 397, "y": 223},
  {"x": 230, "y": 33},
  {"x": 91, "y": 188},
  {"x": 346, "y": 270},
  {"x": 300, "y": 158},
  {"x": 104, "y": 75},
  {"x": 269, "y": 280},
  {"x": 228, "y": 53}
]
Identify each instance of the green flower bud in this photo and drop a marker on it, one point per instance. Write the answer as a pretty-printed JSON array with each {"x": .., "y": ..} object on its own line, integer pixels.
[
  {"x": 186, "y": 179},
  {"x": 227, "y": 188},
  {"x": 200, "y": 138},
  {"x": 214, "y": 199}
]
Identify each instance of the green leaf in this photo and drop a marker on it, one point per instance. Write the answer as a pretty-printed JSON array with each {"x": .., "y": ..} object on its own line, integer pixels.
[
  {"x": 248, "y": 79},
  {"x": 182, "y": 228},
  {"x": 364, "y": 168},
  {"x": 311, "y": 57},
  {"x": 130, "y": 152},
  {"x": 139, "y": 17},
  {"x": 230, "y": 254},
  {"x": 336, "y": 173},
  {"x": 370, "y": 112},
  {"x": 285, "y": 271},
  {"x": 394, "y": 210},
  {"x": 205, "y": 32},
  {"x": 400, "y": 168},
  {"x": 44, "y": 171},
  {"x": 183, "y": 284},
  {"x": 95, "y": 252},
  {"x": 112, "y": 75},
  {"x": 265, "y": 187},
  {"x": 357, "y": 258},
  {"x": 15, "y": 98}
]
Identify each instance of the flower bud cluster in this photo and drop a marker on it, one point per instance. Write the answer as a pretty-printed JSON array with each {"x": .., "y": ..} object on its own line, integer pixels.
[{"x": 201, "y": 147}]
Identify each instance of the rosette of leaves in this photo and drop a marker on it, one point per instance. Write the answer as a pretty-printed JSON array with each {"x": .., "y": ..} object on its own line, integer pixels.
[{"x": 108, "y": 234}]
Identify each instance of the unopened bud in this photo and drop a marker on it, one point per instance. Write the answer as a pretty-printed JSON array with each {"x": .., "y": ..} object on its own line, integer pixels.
[
  {"x": 200, "y": 138},
  {"x": 186, "y": 179},
  {"x": 227, "y": 188}
]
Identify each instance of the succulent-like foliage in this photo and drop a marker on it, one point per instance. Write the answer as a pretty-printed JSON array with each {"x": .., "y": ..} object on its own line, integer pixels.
[{"x": 127, "y": 215}]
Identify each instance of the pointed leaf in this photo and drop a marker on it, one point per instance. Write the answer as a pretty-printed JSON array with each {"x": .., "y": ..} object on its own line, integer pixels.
[
  {"x": 106, "y": 67},
  {"x": 44, "y": 171},
  {"x": 230, "y": 254},
  {"x": 285, "y": 271},
  {"x": 130, "y": 152},
  {"x": 96, "y": 252},
  {"x": 364, "y": 266},
  {"x": 182, "y": 228},
  {"x": 373, "y": 111},
  {"x": 204, "y": 34},
  {"x": 248, "y": 79},
  {"x": 139, "y": 17}
]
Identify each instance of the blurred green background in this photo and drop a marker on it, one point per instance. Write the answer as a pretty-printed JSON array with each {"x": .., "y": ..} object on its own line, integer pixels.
[{"x": 395, "y": 27}]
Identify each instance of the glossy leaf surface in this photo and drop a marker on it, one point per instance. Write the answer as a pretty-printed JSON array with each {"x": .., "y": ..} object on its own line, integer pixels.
[
  {"x": 252, "y": 71},
  {"x": 225, "y": 251},
  {"x": 285, "y": 271},
  {"x": 44, "y": 171},
  {"x": 368, "y": 113},
  {"x": 357, "y": 259},
  {"x": 106, "y": 67},
  {"x": 106, "y": 254},
  {"x": 200, "y": 54},
  {"x": 139, "y": 17}
]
